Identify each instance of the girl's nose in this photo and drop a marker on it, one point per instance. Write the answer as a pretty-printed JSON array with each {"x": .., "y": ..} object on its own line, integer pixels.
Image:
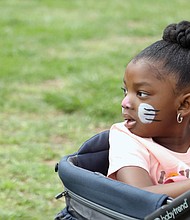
[{"x": 126, "y": 102}]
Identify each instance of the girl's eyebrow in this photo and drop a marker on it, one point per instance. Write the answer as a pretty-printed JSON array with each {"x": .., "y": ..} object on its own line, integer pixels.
[{"x": 141, "y": 84}]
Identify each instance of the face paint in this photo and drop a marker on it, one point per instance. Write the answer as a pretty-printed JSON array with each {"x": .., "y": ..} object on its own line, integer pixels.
[{"x": 147, "y": 113}]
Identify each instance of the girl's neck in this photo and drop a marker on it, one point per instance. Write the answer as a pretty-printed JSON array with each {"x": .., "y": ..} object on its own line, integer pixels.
[
  {"x": 178, "y": 141},
  {"x": 180, "y": 145}
]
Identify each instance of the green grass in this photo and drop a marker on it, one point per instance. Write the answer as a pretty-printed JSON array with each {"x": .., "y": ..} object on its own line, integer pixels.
[{"x": 62, "y": 64}]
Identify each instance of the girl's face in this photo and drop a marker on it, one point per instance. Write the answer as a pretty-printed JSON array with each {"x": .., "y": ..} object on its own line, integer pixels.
[{"x": 150, "y": 103}]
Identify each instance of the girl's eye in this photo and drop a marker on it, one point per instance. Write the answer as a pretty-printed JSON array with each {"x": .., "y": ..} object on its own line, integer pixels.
[
  {"x": 142, "y": 94},
  {"x": 124, "y": 91}
]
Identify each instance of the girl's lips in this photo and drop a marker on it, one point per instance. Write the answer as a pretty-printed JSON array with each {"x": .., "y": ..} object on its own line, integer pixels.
[{"x": 130, "y": 123}]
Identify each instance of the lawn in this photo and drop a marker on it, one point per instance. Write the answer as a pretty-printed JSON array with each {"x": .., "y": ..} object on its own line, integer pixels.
[{"x": 62, "y": 64}]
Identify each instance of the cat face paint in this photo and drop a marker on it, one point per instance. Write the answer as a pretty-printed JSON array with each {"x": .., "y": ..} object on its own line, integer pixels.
[{"x": 147, "y": 113}]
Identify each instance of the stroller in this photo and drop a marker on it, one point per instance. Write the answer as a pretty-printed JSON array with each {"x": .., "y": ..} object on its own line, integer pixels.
[{"x": 90, "y": 195}]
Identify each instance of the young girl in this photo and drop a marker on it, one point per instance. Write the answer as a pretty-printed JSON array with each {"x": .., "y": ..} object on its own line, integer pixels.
[{"x": 150, "y": 149}]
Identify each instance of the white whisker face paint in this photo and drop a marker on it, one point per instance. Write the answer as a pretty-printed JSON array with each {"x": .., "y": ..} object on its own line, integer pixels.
[{"x": 147, "y": 113}]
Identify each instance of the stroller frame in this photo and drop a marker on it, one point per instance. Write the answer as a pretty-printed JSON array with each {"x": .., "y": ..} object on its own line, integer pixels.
[{"x": 89, "y": 194}]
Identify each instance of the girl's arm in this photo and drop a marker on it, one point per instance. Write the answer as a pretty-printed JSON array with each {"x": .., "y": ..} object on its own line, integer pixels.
[{"x": 140, "y": 178}]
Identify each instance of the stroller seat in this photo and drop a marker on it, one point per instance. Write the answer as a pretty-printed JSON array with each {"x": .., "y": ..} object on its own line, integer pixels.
[{"x": 90, "y": 195}]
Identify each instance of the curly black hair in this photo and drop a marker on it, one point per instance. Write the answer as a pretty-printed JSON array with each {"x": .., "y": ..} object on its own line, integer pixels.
[{"x": 172, "y": 52}]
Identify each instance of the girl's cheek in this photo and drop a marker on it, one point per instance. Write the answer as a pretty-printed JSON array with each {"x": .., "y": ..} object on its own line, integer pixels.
[{"x": 146, "y": 113}]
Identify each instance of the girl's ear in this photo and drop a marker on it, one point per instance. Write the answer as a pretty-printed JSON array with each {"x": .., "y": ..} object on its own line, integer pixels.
[{"x": 184, "y": 107}]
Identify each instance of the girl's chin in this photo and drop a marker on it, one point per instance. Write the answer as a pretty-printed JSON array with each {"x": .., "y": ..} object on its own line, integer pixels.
[
  {"x": 140, "y": 133},
  {"x": 139, "y": 129}
]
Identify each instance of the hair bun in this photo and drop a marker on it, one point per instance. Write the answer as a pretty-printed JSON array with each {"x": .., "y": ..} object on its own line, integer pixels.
[{"x": 178, "y": 33}]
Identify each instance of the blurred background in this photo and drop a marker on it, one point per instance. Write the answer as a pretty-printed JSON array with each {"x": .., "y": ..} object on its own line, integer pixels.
[{"x": 61, "y": 72}]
